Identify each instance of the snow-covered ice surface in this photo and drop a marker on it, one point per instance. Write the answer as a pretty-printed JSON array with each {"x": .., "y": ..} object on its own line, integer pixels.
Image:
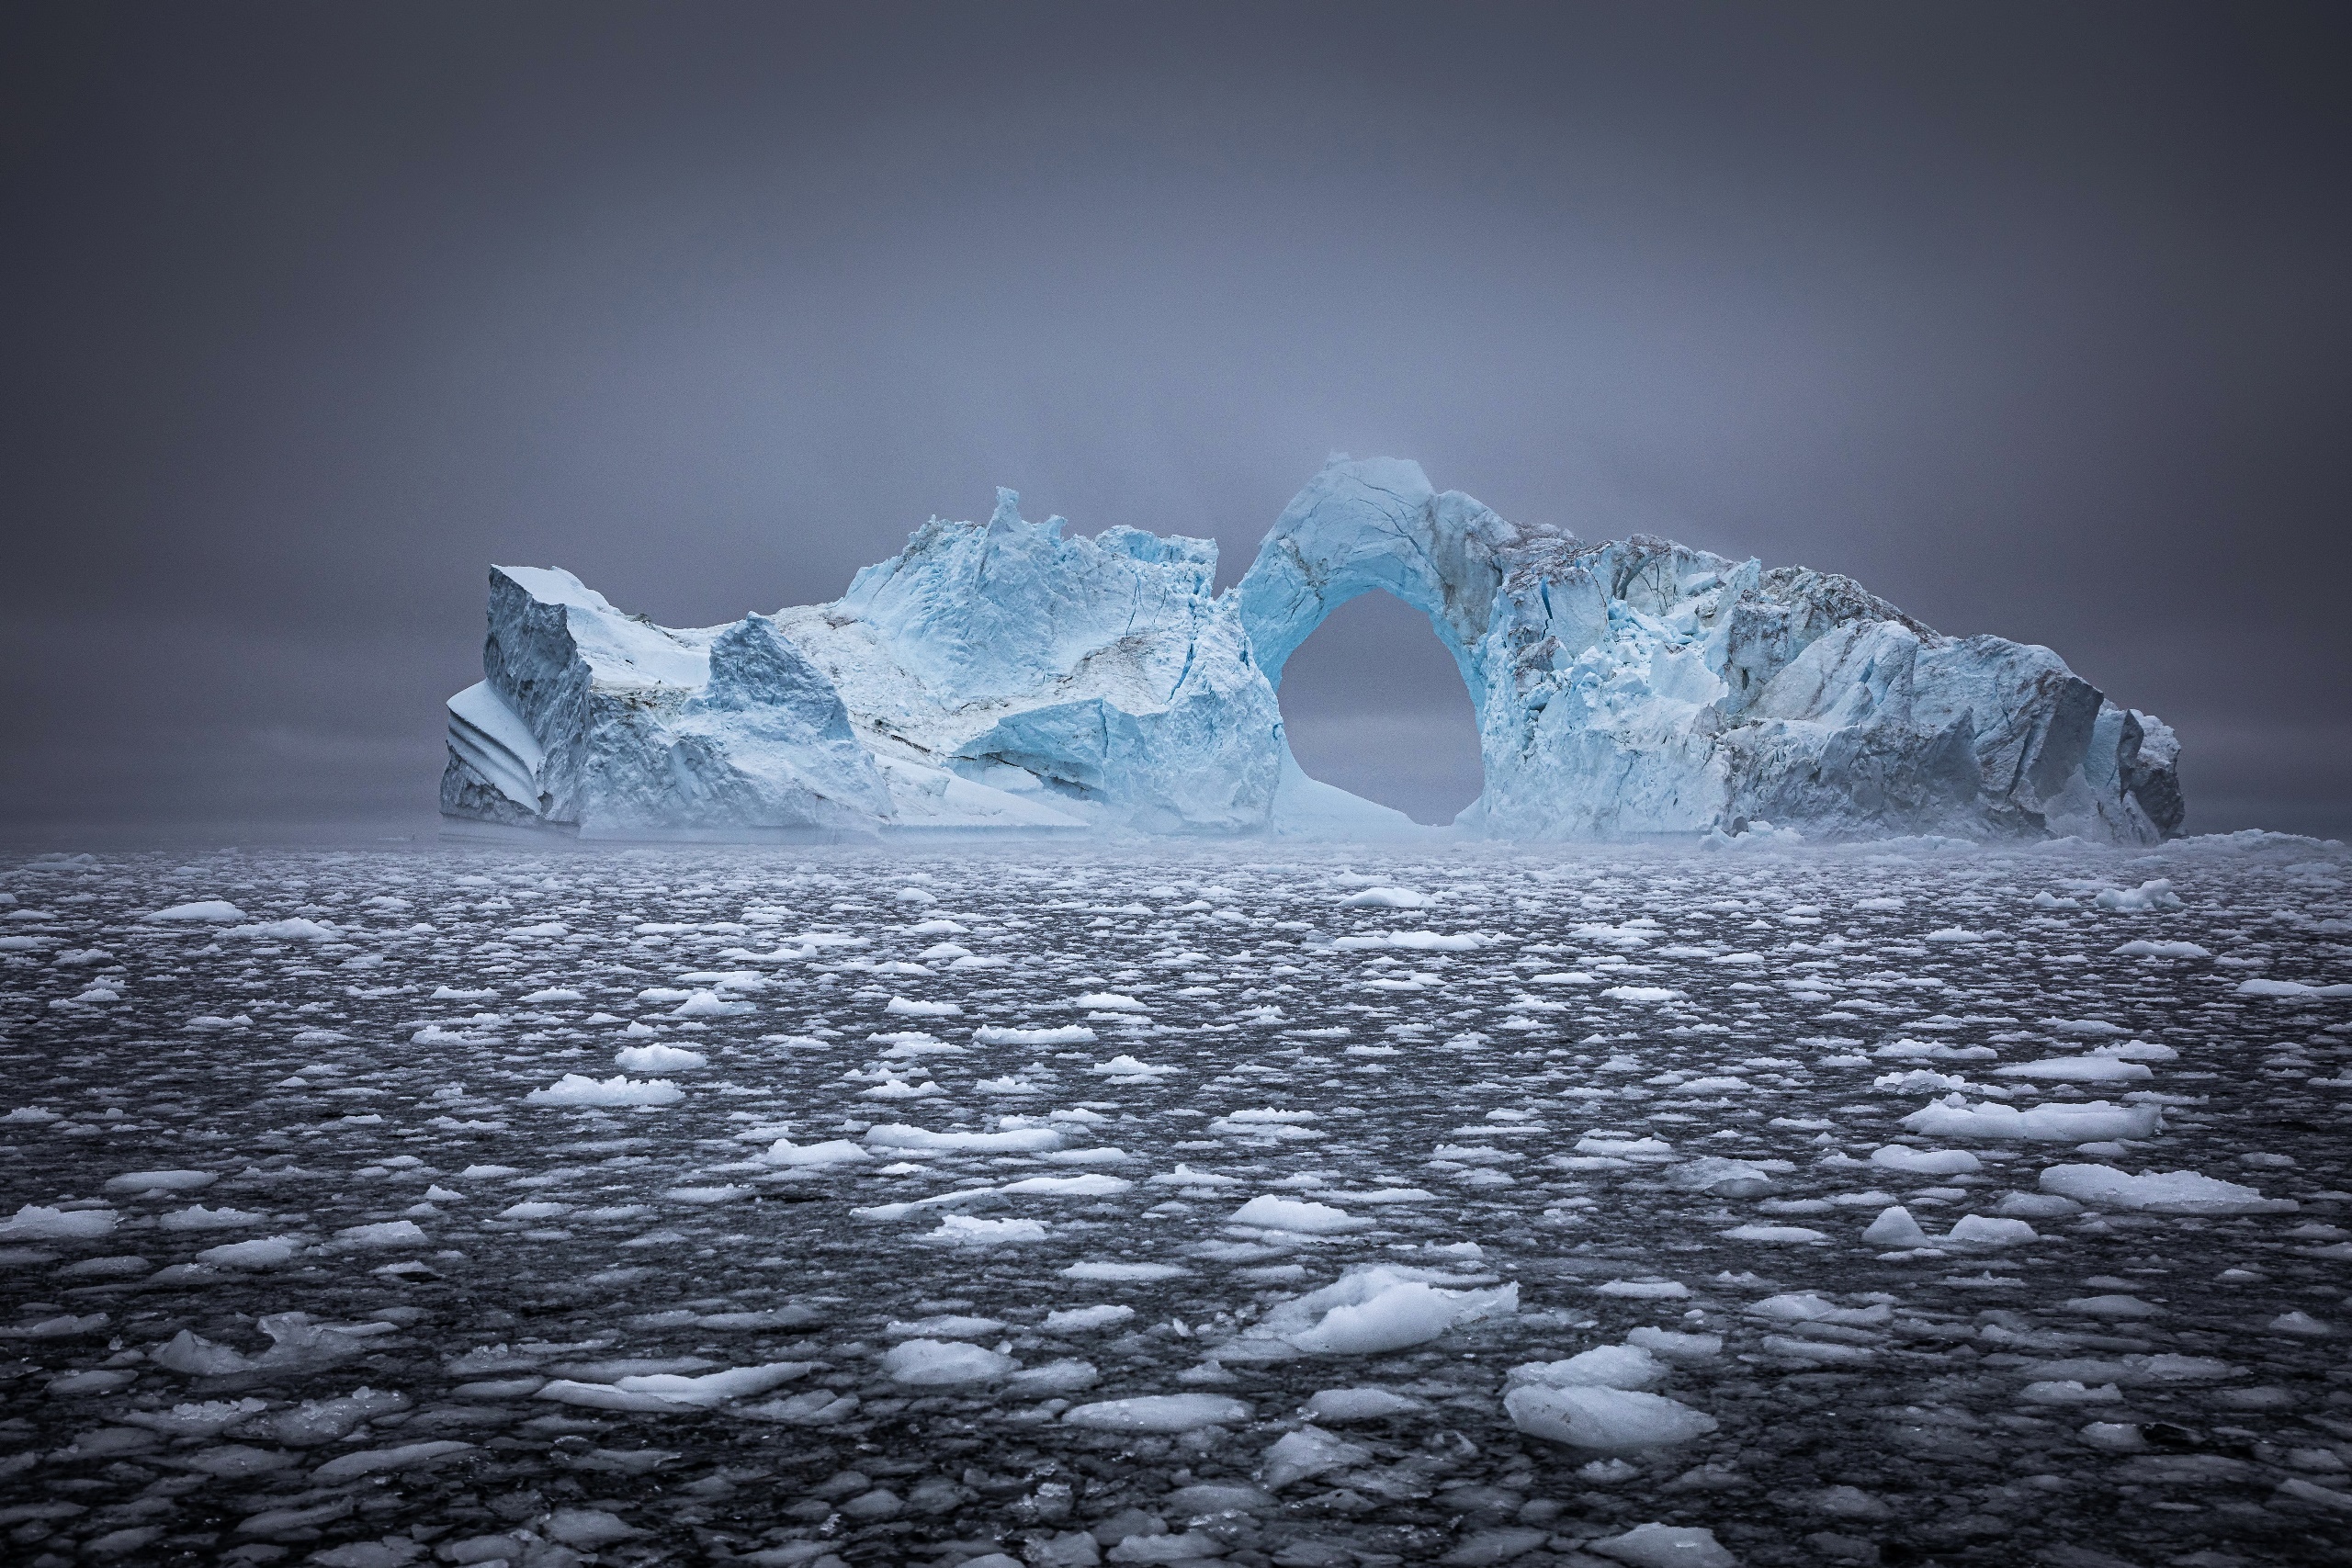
[{"x": 1049, "y": 1206}]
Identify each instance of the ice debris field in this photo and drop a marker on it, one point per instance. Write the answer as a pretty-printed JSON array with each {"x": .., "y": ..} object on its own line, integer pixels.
[{"x": 1892, "y": 1204}]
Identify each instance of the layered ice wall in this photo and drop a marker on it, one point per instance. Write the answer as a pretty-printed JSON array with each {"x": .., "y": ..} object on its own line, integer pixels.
[{"x": 1000, "y": 675}]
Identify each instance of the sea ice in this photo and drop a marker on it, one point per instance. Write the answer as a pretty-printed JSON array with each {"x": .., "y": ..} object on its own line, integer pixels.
[
  {"x": 1159, "y": 1413},
  {"x": 1607, "y": 1420},
  {"x": 573, "y": 1088},
  {"x": 2163, "y": 1193},
  {"x": 1666, "y": 1546},
  {"x": 1605, "y": 1366},
  {"x": 935, "y": 1363},
  {"x": 1955, "y": 1117}
]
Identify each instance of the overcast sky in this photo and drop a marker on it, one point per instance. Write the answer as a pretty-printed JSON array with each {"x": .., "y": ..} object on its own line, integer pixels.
[{"x": 2031, "y": 317}]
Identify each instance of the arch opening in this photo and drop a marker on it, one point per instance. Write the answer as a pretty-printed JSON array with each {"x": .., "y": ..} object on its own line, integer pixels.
[{"x": 1374, "y": 703}]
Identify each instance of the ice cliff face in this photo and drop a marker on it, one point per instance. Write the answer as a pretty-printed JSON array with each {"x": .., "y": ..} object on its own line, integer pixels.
[
  {"x": 990, "y": 676},
  {"x": 1000, "y": 675}
]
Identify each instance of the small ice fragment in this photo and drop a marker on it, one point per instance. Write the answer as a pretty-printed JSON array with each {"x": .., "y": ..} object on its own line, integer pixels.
[
  {"x": 1926, "y": 1162},
  {"x": 943, "y": 1363},
  {"x": 574, "y": 1089},
  {"x": 964, "y": 1230},
  {"x": 1068, "y": 1035},
  {"x": 1308, "y": 1452},
  {"x": 1777, "y": 1234},
  {"x": 1369, "y": 1311},
  {"x": 1604, "y": 1366},
  {"x": 1978, "y": 1230},
  {"x": 1018, "y": 1140},
  {"x": 206, "y": 911},
  {"x": 1677, "y": 1346},
  {"x": 1361, "y": 1405},
  {"x": 1895, "y": 1227},
  {"x": 2162, "y": 1192},
  {"x": 832, "y": 1151},
  {"x": 1074, "y": 1320},
  {"x": 1124, "y": 1271},
  {"x": 654, "y": 1058},
  {"x": 1161, "y": 1413},
  {"x": 1269, "y": 1212},
  {"x": 264, "y": 1252},
  {"x": 162, "y": 1181},
  {"x": 1666, "y": 1546},
  {"x": 1387, "y": 899},
  {"x": 1607, "y": 1420}
]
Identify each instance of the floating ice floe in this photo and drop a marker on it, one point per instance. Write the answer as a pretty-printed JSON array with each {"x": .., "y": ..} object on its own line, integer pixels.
[
  {"x": 1080, "y": 1320},
  {"x": 1675, "y": 1345},
  {"x": 2142, "y": 948},
  {"x": 1108, "y": 1002},
  {"x": 1128, "y": 1067},
  {"x": 1159, "y": 1413},
  {"x": 1368, "y": 1311},
  {"x": 196, "y": 1217},
  {"x": 654, "y": 1058},
  {"x": 1895, "y": 1227},
  {"x": 1386, "y": 899},
  {"x": 1009, "y": 1140},
  {"x": 1127, "y": 1273},
  {"x": 2290, "y": 991},
  {"x": 1604, "y": 1420},
  {"x": 295, "y": 929},
  {"x": 1666, "y": 1546},
  {"x": 1362, "y": 1404},
  {"x": 1269, "y": 1212},
  {"x": 2156, "y": 894},
  {"x": 935, "y": 1363},
  {"x": 2091, "y": 1068},
  {"x": 37, "y": 1222},
  {"x": 1606, "y": 1366},
  {"x": 966, "y": 1229},
  {"x": 2089, "y": 1121},
  {"x": 573, "y": 1088},
  {"x": 1068, "y": 1035},
  {"x": 664, "y": 1392},
  {"x": 162, "y": 1181},
  {"x": 205, "y": 911},
  {"x": 1267, "y": 1122},
  {"x": 2163, "y": 1192},
  {"x": 262, "y": 1252},
  {"x": 1309, "y": 1452},
  {"x": 832, "y": 1151},
  {"x": 1926, "y": 1162}
]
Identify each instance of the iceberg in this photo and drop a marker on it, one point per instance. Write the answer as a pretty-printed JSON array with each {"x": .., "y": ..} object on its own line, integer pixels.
[{"x": 1003, "y": 676}]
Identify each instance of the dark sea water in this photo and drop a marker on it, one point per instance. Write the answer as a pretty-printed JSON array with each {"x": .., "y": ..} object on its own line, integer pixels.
[{"x": 472, "y": 1205}]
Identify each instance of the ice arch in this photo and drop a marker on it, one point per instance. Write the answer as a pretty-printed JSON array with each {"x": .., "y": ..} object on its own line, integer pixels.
[
  {"x": 1363, "y": 525},
  {"x": 1374, "y": 703},
  {"x": 1359, "y": 526}
]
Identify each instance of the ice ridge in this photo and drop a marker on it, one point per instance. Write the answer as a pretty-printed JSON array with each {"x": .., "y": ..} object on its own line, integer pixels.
[{"x": 1000, "y": 675}]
